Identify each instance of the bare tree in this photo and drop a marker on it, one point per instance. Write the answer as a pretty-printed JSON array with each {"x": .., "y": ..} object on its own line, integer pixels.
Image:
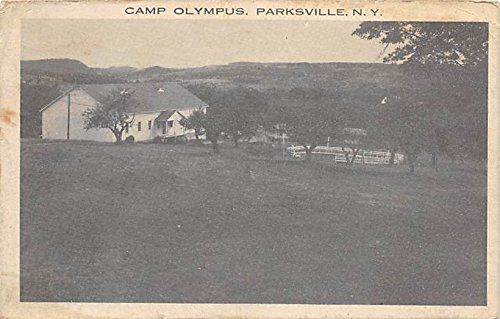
[
  {"x": 116, "y": 113},
  {"x": 352, "y": 139}
]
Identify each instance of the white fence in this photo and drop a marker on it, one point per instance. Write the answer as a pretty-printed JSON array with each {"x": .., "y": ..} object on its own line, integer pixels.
[{"x": 363, "y": 156}]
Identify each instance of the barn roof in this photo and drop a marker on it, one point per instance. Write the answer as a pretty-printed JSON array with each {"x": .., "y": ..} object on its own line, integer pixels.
[{"x": 151, "y": 96}]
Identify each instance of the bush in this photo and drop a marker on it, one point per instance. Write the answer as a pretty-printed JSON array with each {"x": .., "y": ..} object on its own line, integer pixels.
[
  {"x": 157, "y": 140},
  {"x": 176, "y": 140},
  {"x": 130, "y": 139},
  {"x": 181, "y": 140},
  {"x": 262, "y": 149}
]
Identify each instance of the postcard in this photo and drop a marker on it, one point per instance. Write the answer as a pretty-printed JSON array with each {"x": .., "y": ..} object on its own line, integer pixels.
[{"x": 250, "y": 159}]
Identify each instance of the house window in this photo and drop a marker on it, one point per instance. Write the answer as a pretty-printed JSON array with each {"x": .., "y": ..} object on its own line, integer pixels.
[
  {"x": 158, "y": 124},
  {"x": 170, "y": 123},
  {"x": 139, "y": 126},
  {"x": 149, "y": 124}
]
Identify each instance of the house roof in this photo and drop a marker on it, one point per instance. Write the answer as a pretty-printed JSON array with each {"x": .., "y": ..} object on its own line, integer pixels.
[
  {"x": 165, "y": 115},
  {"x": 151, "y": 96},
  {"x": 66, "y": 91}
]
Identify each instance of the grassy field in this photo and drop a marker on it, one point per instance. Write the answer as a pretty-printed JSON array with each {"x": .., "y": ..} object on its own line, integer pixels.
[{"x": 159, "y": 223}]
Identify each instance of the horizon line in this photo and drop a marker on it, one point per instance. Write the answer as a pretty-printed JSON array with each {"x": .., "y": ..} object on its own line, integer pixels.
[{"x": 207, "y": 65}]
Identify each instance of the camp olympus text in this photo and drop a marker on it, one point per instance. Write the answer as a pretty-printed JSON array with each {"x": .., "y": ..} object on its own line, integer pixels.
[{"x": 260, "y": 11}]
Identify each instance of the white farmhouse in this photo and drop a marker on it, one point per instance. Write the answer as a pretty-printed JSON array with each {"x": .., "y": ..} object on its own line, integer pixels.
[{"x": 161, "y": 107}]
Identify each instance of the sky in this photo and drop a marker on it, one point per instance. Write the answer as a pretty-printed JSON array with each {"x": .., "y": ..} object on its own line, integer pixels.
[{"x": 193, "y": 43}]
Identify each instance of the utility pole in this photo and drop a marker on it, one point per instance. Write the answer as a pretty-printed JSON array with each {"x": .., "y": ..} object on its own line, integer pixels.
[{"x": 69, "y": 111}]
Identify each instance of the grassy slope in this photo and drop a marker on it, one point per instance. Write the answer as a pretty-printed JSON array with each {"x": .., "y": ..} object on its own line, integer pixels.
[{"x": 175, "y": 224}]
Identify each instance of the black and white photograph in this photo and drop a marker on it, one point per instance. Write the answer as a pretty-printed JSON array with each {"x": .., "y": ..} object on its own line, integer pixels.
[{"x": 225, "y": 161}]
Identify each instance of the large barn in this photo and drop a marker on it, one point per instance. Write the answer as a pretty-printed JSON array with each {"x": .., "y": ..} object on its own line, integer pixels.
[{"x": 160, "y": 108}]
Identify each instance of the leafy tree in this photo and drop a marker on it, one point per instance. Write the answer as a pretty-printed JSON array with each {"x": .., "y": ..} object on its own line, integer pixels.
[
  {"x": 457, "y": 99},
  {"x": 241, "y": 106},
  {"x": 196, "y": 122},
  {"x": 239, "y": 124},
  {"x": 308, "y": 118},
  {"x": 232, "y": 111},
  {"x": 33, "y": 97},
  {"x": 463, "y": 44},
  {"x": 403, "y": 122},
  {"x": 116, "y": 113},
  {"x": 213, "y": 123},
  {"x": 446, "y": 65},
  {"x": 381, "y": 137}
]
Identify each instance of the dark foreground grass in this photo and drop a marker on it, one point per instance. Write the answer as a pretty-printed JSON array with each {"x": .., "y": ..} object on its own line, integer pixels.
[{"x": 157, "y": 223}]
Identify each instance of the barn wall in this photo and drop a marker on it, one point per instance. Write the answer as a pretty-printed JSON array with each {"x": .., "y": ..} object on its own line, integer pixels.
[
  {"x": 80, "y": 101},
  {"x": 55, "y": 124},
  {"x": 54, "y": 120}
]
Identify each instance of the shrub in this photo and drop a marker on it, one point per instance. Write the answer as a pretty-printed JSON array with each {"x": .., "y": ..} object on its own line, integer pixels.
[
  {"x": 181, "y": 140},
  {"x": 157, "y": 140},
  {"x": 130, "y": 139},
  {"x": 176, "y": 140},
  {"x": 262, "y": 149}
]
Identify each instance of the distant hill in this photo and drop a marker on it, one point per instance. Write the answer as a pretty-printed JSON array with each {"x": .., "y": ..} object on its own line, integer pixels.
[
  {"x": 68, "y": 71},
  {"x": 116, "y": 70},
  {"x": 258, "y": 75},
  {"x": 280, "y": 75},
  {"x": 60, "y": 66},
  {"x": 262, "y": 76},
  {"x": 149, "y": 73}
]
